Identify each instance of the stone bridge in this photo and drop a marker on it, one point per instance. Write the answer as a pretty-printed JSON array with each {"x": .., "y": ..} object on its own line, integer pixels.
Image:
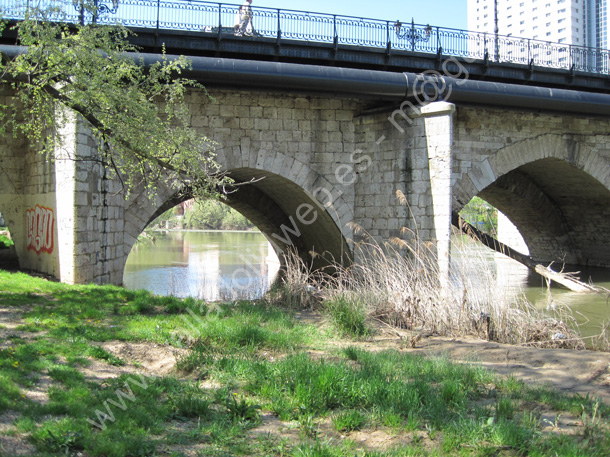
[{"x": 328, "y": 163}]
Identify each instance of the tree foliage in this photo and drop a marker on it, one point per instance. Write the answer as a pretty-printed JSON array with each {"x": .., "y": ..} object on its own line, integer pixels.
[
  {"x": 206, "y": 214},
  {"x": 481, "y": 215},
  {"x": 138, "y": 114}
]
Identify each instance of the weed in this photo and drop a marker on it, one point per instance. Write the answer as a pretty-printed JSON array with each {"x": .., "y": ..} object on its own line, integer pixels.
[
  {"x": 307, "y": 426},
  {"x": 65, "y": 436},
  {"x": 505, "y": 409},
  {"x": 240, "y": 409},
  {"x": 188, "y": 405},
  {"x": 349, "y": 315},
  {"x": 349, "y": 421},
  {"x": 100, "y": 353}
]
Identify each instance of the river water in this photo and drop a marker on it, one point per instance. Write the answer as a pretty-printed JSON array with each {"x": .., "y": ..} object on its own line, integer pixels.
[
  {"x": 234, "y": 265},
  {"x": 212, "y": 265}
]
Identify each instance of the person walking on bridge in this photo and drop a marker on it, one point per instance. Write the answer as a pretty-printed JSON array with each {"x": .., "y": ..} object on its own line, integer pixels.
[{"x": 243, "y": 20}]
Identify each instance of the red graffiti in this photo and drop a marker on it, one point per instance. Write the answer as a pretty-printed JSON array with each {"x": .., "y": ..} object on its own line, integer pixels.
[{"x": 39, "y": 222}]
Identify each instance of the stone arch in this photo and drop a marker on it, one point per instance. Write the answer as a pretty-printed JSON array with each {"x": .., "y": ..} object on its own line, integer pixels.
[
  {"x": 555, "y": 189},
  {"x": 301, "y": 174},
  {"x": 281, "y": 202}
]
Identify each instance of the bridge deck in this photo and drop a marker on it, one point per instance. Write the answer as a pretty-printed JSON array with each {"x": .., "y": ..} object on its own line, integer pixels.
[{"x": 194, "y": 27}]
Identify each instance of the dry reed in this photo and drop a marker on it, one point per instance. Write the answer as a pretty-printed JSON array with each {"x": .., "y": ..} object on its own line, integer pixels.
[{"x": 398, "y": 283}]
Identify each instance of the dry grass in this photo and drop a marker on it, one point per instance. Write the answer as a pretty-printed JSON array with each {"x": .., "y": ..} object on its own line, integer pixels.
[{"x": 398, "y": 282}]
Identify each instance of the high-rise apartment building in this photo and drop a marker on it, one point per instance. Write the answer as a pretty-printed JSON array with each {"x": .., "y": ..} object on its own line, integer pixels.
[
  {"x": 575, "y": 22},
  {"x": 600, "y": 33}
]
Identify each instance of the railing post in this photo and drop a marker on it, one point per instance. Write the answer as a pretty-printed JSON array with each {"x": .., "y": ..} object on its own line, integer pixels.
[
  {"x": 279, "y": 26},
  {"x": 570, "y": 59},
  {"x": 219, "y": 21},
  {"x": 529, "y": 51},
  {"x": 438, "y": 39},
  {"x": 412, "y": 35},
  {"x": 387, "y": 28},
  {"x": 158, "y": 14},
  {"x": 335, "y": 28}
]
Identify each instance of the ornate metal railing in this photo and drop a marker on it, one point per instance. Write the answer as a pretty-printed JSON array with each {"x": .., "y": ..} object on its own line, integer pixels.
[{"x": 220, "y": 18}]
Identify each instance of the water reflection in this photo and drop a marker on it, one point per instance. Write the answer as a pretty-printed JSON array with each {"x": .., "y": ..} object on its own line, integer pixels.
[
  {"x": 589, "y": 309},
  {"x": 231, "y": 265},
  {"x": 208, "y": 265}
]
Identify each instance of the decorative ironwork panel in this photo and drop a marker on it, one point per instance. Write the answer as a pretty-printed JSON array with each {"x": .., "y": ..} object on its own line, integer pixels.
[
  {"x": 453, "y": 42},
  {"x": 361, "y": 32},
  {"x": 296, "y": 25},
  {"x": 264, "y": 22},
  {"x": 186, "y": 15}
]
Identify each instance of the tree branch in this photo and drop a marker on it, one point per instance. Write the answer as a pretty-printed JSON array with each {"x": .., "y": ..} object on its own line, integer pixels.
[{"x": 57, "y": 95}]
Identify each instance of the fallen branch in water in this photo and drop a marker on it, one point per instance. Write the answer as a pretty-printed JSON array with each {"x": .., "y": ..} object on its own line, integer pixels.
[{"x": 568, "y": 280}]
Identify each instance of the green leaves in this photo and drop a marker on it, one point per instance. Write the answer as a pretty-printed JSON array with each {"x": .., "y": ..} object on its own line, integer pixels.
[{"x": 138, "y": 115}]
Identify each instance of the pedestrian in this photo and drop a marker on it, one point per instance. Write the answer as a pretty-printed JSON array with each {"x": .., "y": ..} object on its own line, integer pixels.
[{"x": 243, "y": 20}]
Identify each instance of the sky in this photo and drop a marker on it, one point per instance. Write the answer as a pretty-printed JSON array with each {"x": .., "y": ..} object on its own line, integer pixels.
[{"x": 441, "y": 13}]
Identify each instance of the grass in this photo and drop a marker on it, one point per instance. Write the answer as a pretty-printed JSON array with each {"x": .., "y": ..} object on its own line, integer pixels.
[{"x": 247, "y": 363}]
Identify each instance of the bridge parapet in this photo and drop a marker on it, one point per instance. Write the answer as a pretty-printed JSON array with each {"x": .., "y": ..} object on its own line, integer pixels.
[{"x": 218, "y": 20}]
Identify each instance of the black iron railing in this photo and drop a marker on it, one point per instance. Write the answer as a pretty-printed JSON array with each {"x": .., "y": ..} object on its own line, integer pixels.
[{"x": 220, "y": 18}]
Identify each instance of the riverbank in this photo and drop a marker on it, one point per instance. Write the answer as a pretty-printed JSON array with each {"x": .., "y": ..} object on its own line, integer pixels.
[
  {"x": 106, "y": 371},
  {"x": 254, "y": 230}
]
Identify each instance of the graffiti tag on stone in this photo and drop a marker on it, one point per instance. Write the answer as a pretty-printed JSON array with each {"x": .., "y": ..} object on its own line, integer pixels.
[{"x": 39, "y": 223}]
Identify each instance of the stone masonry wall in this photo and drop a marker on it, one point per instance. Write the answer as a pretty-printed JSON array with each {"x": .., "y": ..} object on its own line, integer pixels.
[{"x": 315, "y": 149}]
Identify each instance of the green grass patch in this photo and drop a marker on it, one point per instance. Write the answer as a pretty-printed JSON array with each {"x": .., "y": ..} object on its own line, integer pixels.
[
  {"x": 349, "y": 316},
  {"x": 259, "y": 360}
]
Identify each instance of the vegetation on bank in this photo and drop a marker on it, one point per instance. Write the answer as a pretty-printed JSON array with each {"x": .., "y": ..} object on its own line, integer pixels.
[
  {"x": 398, "y": 283},
  {"x": 204, "y": 215},
  {"x": 243, "y": 367},
  {"x": 5, "y": 238},
  {"x": 481, "y": 215}
]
